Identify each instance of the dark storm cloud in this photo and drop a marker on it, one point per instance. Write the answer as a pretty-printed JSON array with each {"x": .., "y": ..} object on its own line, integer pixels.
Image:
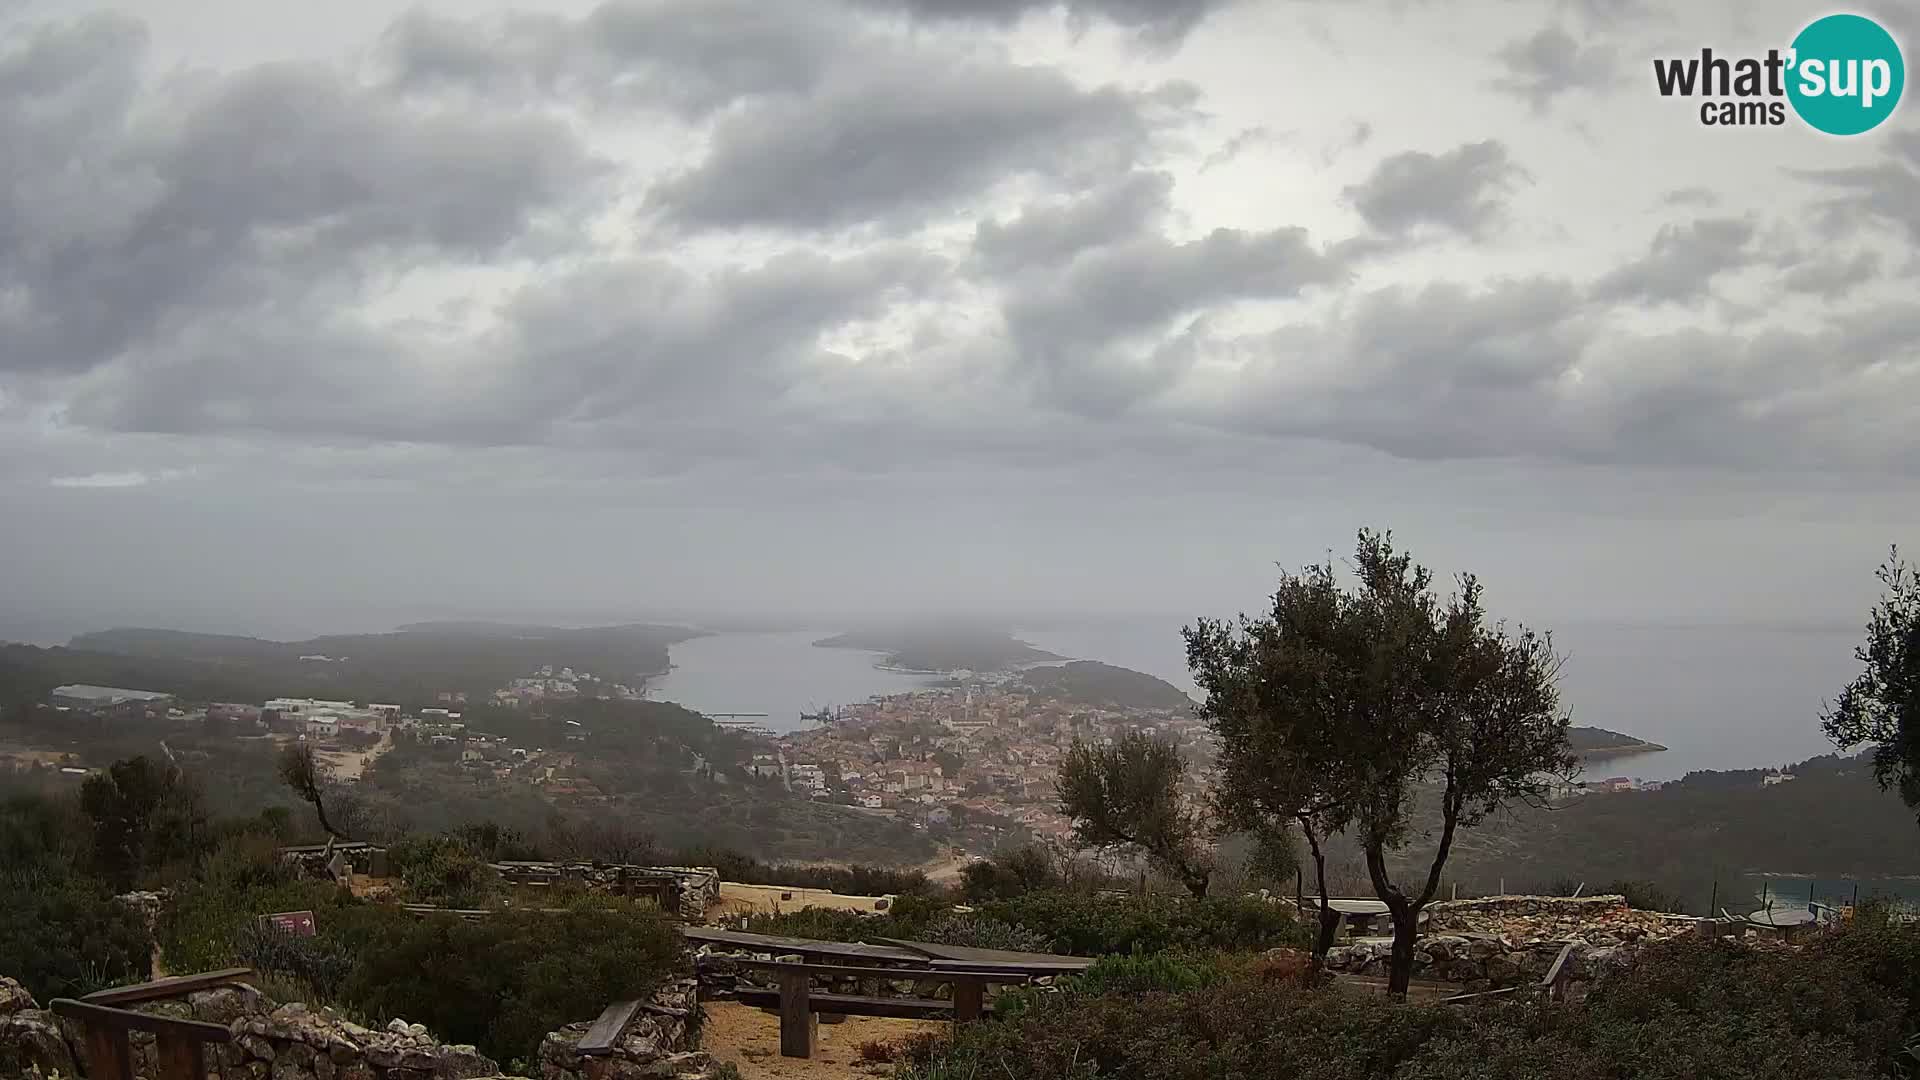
[
  {"x": 897, "y": 141},
  {"x": 1680, "y": 266},
  {"x": 1164, "y": 21},
  {"x": 122, "y": 226},
  {"x": 1459, "y": 190},
  {"x": 1550, "y": 63},
  {"x": 692, "y": 55}
]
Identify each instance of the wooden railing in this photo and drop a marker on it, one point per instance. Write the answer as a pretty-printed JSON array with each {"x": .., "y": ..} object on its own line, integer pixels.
[{"x": 179, "y": 1044}]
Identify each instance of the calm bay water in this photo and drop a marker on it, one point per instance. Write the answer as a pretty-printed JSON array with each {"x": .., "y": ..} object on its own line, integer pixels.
[
  {"x": 1718, "y": 697},
  {"x": 780, "y": 674}
]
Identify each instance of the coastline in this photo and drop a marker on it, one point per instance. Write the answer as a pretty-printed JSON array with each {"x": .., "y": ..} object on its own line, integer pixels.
[{"x": 1621, "y": 750}]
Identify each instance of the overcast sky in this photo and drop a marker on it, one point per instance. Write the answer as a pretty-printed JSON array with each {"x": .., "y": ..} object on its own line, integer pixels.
[{"x": 317, "y": 315}]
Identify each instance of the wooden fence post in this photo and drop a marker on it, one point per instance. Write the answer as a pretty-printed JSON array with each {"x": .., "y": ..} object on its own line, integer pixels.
[{"x": 799, "y": 1028}]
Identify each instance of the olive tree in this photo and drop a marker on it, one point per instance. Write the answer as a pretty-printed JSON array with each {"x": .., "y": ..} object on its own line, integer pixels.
[
  {"x": 1131, "y": 794},
  {"x": 1354, "y": 707},
  {"x": 1881, "y": 706},
  {"x": 1274, "y": 702},
  {"x": 306, "y": 775}
]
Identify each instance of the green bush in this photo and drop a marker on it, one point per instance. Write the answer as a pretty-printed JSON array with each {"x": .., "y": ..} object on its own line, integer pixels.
[
  {"x": 443, "y": 870},
  {"x": 975, "y": 932},
  {"x": 1682, "y": 1011},
  {"x": 62, "y": 933},
  {"x": 504, "y": 981},
  {"x": 1095, "y": 925}
]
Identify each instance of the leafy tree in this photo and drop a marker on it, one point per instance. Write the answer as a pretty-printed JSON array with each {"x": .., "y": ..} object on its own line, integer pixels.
[
  {"x": 144, "y": 815},
  {"x": 1010, "y": 874},
  {"x": 1443, "y": 699},
  {"x": 1881, "y": 705},
  {"x": 1129, "y": 794},
  {"x": 1344, "y": 707},
  {"x": 301, "y": 771},
  {"x": 1277, "y": 699}
]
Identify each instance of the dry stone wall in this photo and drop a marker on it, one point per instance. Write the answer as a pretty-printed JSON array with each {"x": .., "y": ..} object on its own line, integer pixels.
[
  {"x": 1504, "y": 941},
  {"x": 294, "y": 1042}
]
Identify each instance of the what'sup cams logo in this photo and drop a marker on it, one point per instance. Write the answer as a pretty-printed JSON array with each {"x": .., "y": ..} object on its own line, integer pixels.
[{"x": 1843, "y": 75}]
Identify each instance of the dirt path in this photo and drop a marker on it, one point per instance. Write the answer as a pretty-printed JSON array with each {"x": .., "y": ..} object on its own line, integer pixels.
[
  {"x": 946, "y": 868},
  {"x": 349, "y": 764},
  {"x": 751, "y": 1039}
]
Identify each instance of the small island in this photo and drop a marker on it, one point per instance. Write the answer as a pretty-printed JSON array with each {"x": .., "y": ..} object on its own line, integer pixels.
[
  {"x": 940, "y": 650},
  {"x": 1599, "y": 742}
]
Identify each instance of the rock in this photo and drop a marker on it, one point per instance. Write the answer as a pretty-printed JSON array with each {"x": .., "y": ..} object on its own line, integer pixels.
[
  {"x": 398, "y": 1026},
  {"x": 226, "y": 1004},
  {"x": 255, "y": 1045},
  {"x": 14, "y": 998},
  {"x": 286, "y": 1068},
  {"x": 31, "y": 1039},
  {"x": 323, "y": 1067}
]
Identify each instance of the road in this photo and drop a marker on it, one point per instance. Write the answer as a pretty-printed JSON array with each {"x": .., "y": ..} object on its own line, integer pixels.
[{"x": 347, "y": 766}]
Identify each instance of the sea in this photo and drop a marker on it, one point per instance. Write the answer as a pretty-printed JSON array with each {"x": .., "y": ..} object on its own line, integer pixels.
[{"x": 1718, "y": 697}]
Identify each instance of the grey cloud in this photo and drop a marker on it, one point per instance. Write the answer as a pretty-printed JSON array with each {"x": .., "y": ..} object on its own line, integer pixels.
[
  {"x": 1458, "y": 190},
  {"x": 1680, "y": 266},
  {"x": 1443, "y": 371},
  {"x": 1163, "y": 21},
  {"x": 1887, "y": 193},
  {"x": 1691, "y": 196},
  {"x": 1065, "y": 321},
  {"x": 637, "y": 352},
  {"x": 1054, "y": 233},
  {"x": 254, "y": 191},
  {"x": 898, "y": 141},
  {"x": 692, "y": 55},
  {"x": 1832, "y": 278},
  {"x": 1550, "y": 63},
  {"x": 1520, "y": 369}
]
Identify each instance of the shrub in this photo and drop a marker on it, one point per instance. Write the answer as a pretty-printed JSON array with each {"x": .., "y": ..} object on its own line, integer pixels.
[
  {"x": 1096, "y": 925},
  {"x": 503, "y": 982},
  {"x": 1682, "y": 1010},
  {"x": 442, "y": 869},
  {"x": 1010, "y": 874},
  {"x": 1646, "y": 896},
  {"x": 61, "y": 931},
  {"x": 974, "y": 932},
  {"x": 1142, "y": 973}
]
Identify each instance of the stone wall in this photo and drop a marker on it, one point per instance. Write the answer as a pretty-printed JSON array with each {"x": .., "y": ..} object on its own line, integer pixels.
[
  {"x": 294, "y": 1042},
  {"x": 1502, "y": 941},
  {"x": 659, "y": 1042},
  {"x": 687, "y": 891}
]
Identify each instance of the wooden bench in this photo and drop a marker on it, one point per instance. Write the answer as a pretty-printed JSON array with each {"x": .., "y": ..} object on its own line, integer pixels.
[{"x": 800, "y": 1007}]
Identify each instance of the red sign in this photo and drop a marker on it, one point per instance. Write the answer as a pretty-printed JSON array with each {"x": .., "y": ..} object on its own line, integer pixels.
[{"x": 297, "y": 923}]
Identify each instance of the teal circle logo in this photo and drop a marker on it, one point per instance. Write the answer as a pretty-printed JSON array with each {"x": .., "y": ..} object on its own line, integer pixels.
[{"x": 1846, "y": 74}]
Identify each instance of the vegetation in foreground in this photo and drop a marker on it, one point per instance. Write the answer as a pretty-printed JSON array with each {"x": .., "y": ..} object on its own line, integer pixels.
[{"x": 1849, "y": 1006}]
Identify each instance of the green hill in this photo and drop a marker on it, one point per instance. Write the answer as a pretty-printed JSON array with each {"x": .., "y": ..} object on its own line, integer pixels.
[{"x": 1089, "y": 682}]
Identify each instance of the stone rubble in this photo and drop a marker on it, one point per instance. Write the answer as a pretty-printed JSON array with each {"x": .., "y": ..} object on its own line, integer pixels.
[
  {"x": 295, "y": 1042},
  {"x": 1504, "y": 941}
]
